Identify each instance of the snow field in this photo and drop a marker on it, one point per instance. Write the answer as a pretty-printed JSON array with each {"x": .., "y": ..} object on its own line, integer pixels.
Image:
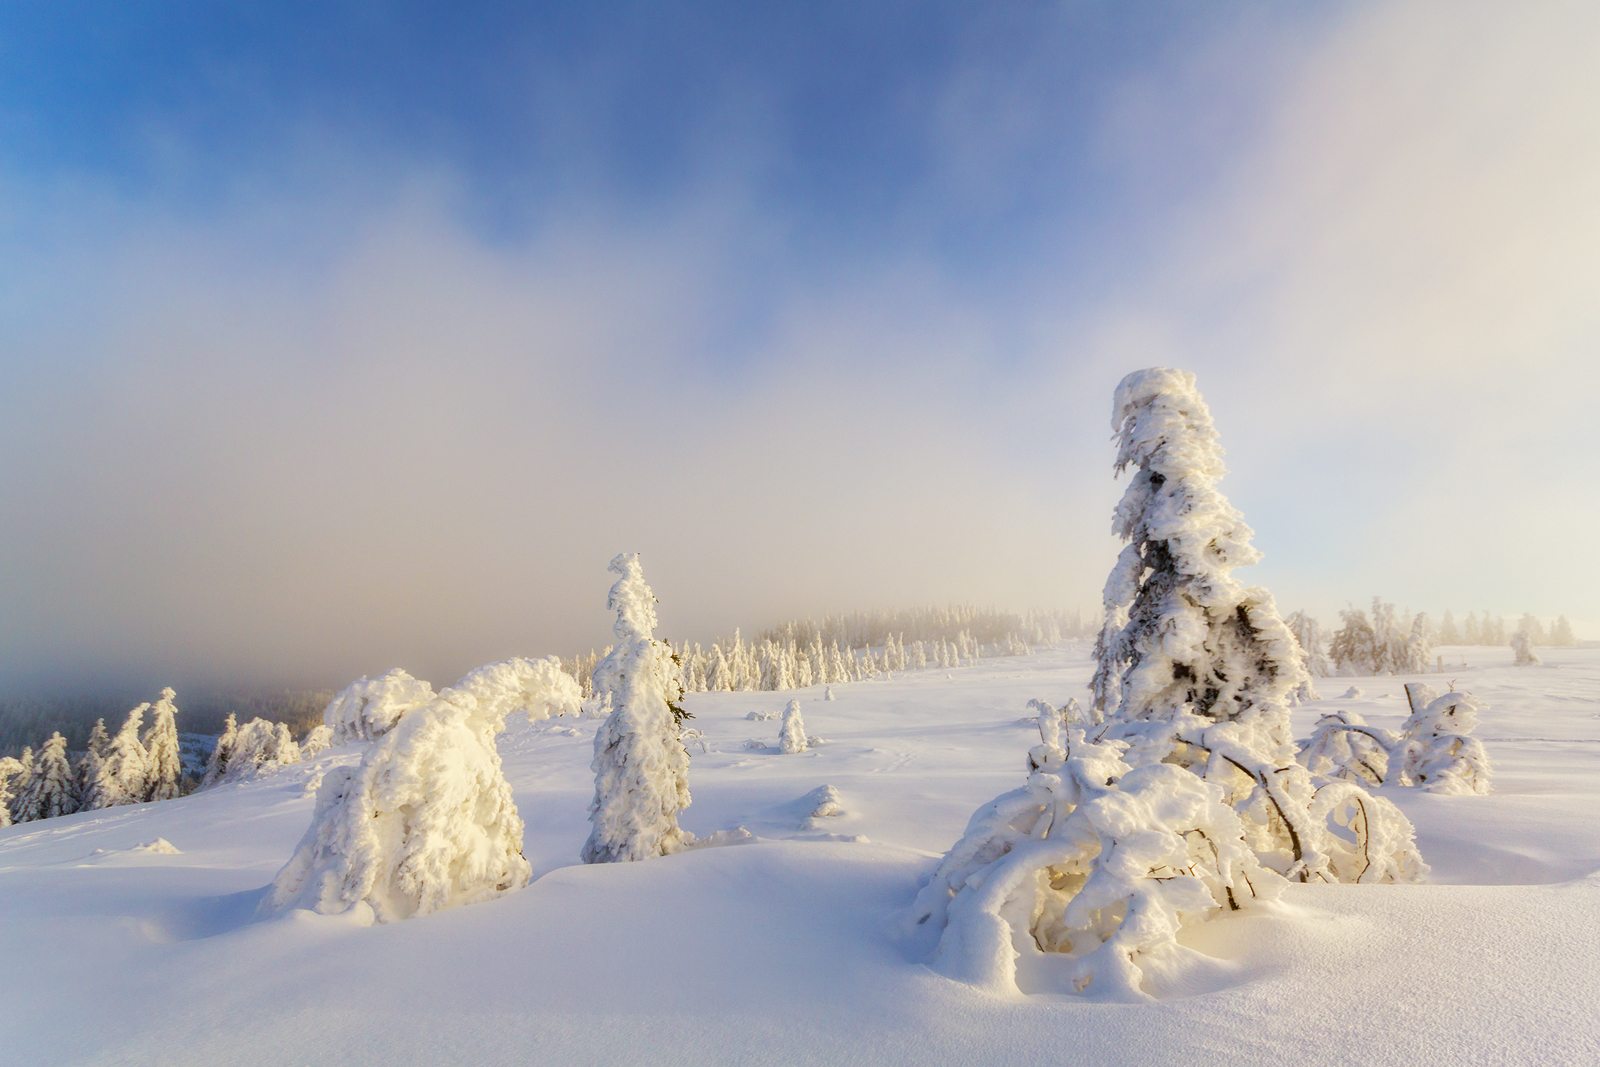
[{"x": 793, "y": 948}]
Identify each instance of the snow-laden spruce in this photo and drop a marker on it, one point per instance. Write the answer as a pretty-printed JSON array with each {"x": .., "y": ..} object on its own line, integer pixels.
[
  {"x": 1193, "y": 667},
  {"x": 1522, "y": 651},
  {"x": 51, "y": 787},
  {"x": 368, "y": 708},
  {"x": 121, "y": 777},
  {"x": 164, "y": 767},
  {"x": 426, "y": 820},
  {"x": 1087, "y": 873},
  {"x": 641, "y": 766},
  {"x": 792, "y": 730}
]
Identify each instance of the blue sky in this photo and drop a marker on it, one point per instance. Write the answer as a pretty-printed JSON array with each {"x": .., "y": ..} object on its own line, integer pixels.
[{"x": 414, "y": 315}]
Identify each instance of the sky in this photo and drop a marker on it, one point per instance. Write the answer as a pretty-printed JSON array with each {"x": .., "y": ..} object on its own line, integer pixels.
[{"x": 341, "y": 336}]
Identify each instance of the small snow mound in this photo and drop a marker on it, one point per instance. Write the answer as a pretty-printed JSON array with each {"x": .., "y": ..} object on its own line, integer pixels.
[
  {"x": 825, "y": 803},
  {"x": 739, "y": 835},
  {"x": 160, "y": 847},
  {"x": 761, "y": 716},
  {"x": 1353, "y": 693}
]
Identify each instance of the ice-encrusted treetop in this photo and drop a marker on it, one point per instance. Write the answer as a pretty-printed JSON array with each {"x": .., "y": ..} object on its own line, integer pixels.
[{"x": 632, "y": 600}]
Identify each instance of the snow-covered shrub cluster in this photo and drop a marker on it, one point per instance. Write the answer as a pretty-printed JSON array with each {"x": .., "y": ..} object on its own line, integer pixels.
[
  {"x": 1433, "y": 749},
  {"x": 641, "y": 766},
  {"x": 1184, "y": 797},
  {"x": 1384, "y": 643},
  {"x": 426, "y": 820},
  {"x": 1095, "y": 862}
]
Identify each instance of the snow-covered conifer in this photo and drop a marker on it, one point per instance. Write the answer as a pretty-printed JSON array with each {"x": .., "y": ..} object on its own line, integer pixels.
[
  {"x": 640, "y": 763},
  {"x": 51, "y": 787},
  {"x": 123, "y": 774},
  {"x": 10, "y": 772},
  {"x": 827, "y": 693},
  {"x": 1449, "y": 632},
  {"x": 1308, "y": 635},
  {"x": 1522, "y": 650},
  {"x": 222, "y": 752},
  {"x": 1354, "y": 648},
  {"x": 792, "y": 730},
  {"x": 164, "y": 773},
  {"x": 369, "y": 707},
  {"x": 1193, "y": 667},
  {"x": 89, "y": 764},
  {"x": 1472, "y": 632},
  {"x": 1561, "y": 634},
  {"x": 427, "y": 819}
]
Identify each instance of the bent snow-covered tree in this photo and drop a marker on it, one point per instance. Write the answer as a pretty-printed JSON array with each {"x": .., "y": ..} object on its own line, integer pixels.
[
  {"x": 426, "y": 820},
  {"x": 1086, "y": 873},
  {"x": 641, "y": 766},
  {"x": 1194, "y": 668}
]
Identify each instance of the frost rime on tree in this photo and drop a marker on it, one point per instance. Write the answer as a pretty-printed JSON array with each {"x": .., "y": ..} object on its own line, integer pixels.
[
  {"x": 640, "y": 764},
  {"x": 427, "y": 819},
  {"x": 164, "y": 775},
  {"x": 792, "y": 730},
  {"x": 369, "y": 707},
  {"x": 122, "y": 775},
  {"x": 50, "y": 789}
]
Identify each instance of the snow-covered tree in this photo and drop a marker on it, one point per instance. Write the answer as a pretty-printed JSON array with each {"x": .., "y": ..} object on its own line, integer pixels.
[
  {"x": 1308, "y": 635},
  {"x": 1193, "y": 667},
  {"x": 89, "y": 764},
  {"x": 121, "y": 777},
  {"x": 1437, "y": 752},
  {"x": 369, "y": 707},
  {"x": 222, "y": 752},
  {"x": 1522, "y": 650},
  {"x": 1094, "y": 861},
  {"x": 1355, "y": 648},
  {"x": 427, "y": 819},
  {"x": 317, "y": 738},
  {"x": 10, "y": 772},
  {"x": 51, "y": 787},
  {"x": 1561, "y": 634},
  {"x": 640, "y": 764},
  {"x": 259, "y": 748},
  {"x": 1449, "y": 632},
  {"x": 1472, "y": 632},
  {"x": 164, "y": 765},
  {"x": 792, "y": 730}
]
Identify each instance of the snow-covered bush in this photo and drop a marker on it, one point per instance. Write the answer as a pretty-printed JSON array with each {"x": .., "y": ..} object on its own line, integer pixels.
[
  {"x": 1365, "y": 838},
  {"x": 792, "y": 730},
  {"x": 640, "y": 765},
  {"x": 369, "y": 707},
  {"x": 317, "y": 739},
  {"x": 1343, "y": 746},
  {"x": 1436, "y": 752},
  {"x": 51, "y": 789},
  {"x": 1098, "y": 865},
  {"x": 427, "y": 819},
  {"x": 260, "y": 747},
  {"x": 1522, "y": 650},
  {"x": 164, "y": 773}
]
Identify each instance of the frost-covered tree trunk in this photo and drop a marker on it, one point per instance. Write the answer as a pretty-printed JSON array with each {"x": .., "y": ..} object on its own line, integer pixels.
[
  {"x": 792, "y": 730},
  {"x": 427, "y": 819},
  {"x": 164, "y": 774},
  {"x": 640, "y": 765},
  {"x": 50, "y": 789}
]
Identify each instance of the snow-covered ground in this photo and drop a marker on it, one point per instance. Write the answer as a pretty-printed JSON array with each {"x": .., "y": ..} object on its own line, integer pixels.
[{"x": 793, "y": 948}]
